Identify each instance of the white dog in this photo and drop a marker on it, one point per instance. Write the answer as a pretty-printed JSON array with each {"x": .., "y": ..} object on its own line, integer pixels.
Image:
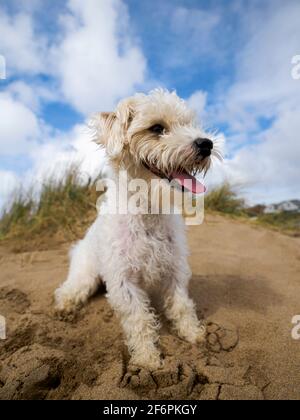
[{"x": 149, "y": 136}]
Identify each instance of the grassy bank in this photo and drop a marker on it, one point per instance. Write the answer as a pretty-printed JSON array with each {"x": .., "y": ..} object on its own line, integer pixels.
[
  {"x": 225, "y": 200},
  {"x": 285, "y": 222},
  {"x": 60, "y": 212},
  {"x": 64, "y": 208}
]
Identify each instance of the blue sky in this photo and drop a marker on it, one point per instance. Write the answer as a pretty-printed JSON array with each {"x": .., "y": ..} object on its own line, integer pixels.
[{"x": 231, "y": 60}]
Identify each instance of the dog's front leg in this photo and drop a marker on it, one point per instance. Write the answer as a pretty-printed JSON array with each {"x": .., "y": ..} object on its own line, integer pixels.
[
  {"x": 138, "y": 320},
  {"x": 180, "y": 309},
  {"x": 82, "y": 280}
]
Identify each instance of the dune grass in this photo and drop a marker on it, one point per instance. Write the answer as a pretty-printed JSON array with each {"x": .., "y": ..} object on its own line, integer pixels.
[
  {"x": 225, "y": 199},
  {"x": 65, "y": 207},
  {"x": 287, "y": 222}
]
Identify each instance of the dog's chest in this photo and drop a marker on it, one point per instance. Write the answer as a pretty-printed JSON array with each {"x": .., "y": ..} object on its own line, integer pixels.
[{"x": 151, "y": 248}]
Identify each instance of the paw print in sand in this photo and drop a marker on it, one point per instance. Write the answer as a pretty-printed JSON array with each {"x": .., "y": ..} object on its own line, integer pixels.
[
  {"x": 171, "y": 382},
  {"x": 221, "y": 338}
]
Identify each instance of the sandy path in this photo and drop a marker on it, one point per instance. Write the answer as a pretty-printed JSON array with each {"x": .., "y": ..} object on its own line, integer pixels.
[{"x": 246, "y": 282}]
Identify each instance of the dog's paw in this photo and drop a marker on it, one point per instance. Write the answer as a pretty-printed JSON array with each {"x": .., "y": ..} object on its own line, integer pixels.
[
  {"x": 148, "y": 360},
  {"x": 64, "y": 304},
  {"x": 201, "y": 334},
  {"x": 194, "y": 335},
  {"x": 138, "y": 379}
]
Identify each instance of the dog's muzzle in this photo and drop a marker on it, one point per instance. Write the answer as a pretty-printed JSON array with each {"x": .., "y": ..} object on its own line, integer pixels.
[{"x": 203, "y": 147}]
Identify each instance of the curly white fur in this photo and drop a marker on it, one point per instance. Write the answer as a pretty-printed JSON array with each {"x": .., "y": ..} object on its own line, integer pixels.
[{"x": 133, "y": 253}]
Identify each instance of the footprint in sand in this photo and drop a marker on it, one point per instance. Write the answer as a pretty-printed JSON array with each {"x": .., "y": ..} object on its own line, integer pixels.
[
  {"x": 14, "y": 299},
  {"x": 206, "y": 378},
  {"x": 221, "y": 338},
  {"x": 30, "y": 373}
]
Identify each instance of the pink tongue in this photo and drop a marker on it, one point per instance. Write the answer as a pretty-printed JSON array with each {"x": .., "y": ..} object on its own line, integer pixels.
[{"x": 189, "y": 182}]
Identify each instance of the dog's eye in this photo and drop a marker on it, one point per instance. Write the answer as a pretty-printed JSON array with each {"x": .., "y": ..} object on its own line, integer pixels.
[{"x": 157, "y": 128}]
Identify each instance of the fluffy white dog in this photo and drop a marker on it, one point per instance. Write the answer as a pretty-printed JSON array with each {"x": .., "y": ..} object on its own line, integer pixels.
[{"x": 149, "y": 136}]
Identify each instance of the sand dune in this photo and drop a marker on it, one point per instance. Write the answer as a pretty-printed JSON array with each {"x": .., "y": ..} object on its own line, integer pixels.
[{"x": 245, "y": 282}]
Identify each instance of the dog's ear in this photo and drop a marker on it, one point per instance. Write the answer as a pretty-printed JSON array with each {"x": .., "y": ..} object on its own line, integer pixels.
[
  {"x": 125, "y": 114},
  {"x": 105, "y": 132},
  {"x": 111, "y": 128}
]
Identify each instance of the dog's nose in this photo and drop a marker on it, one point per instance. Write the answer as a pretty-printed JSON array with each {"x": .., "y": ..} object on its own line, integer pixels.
[{"x": 203, "y": 146}]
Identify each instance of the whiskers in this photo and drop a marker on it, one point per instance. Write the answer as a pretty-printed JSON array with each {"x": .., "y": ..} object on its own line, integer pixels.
[{"x": 218, "y": 149}]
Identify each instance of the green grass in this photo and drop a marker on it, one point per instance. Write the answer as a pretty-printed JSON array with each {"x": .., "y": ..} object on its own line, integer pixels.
[
  {"x": 63, "y": 207},
  {"x": 287, "y": 222},
  {"x": 225, "y": 199},
  {"x": 66, "y": 207}
]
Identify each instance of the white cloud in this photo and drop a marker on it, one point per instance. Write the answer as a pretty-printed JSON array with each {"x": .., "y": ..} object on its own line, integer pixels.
[
  {"x": 97, "y": 61},
  {"x": 264, "y": 161},
  {"x": 9, "y": 183},
  {"x": 19, "y": 128},
  {"x": 31, "y": 96},
  {"x": 63, "y": 149},
  {"x": 197, "y": 102},
  {"x": 263, "y": 82},
  {"x": 53, "y": 157},
  {"x": 23, "y": 50},
  {"x": 270, "y": 168}
]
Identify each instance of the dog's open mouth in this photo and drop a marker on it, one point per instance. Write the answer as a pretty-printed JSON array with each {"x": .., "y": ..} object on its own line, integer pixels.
[
  {"x": 185, "y": 180},
  {"x": 188, "y": 182}
]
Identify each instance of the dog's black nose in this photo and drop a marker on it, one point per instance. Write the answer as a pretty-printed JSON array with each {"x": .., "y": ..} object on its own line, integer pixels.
[{"x": 203, "y": 146}]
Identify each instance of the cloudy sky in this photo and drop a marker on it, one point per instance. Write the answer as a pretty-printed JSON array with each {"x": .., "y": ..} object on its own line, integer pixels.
[{"x": 232, "y": 60}]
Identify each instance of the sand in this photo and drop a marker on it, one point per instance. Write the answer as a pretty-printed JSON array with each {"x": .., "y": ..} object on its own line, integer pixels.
[{"x": 245, "y": 282}]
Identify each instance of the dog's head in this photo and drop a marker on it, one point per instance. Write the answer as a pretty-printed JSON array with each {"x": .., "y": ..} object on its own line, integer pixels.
[{"x": 156, "y": 133}]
